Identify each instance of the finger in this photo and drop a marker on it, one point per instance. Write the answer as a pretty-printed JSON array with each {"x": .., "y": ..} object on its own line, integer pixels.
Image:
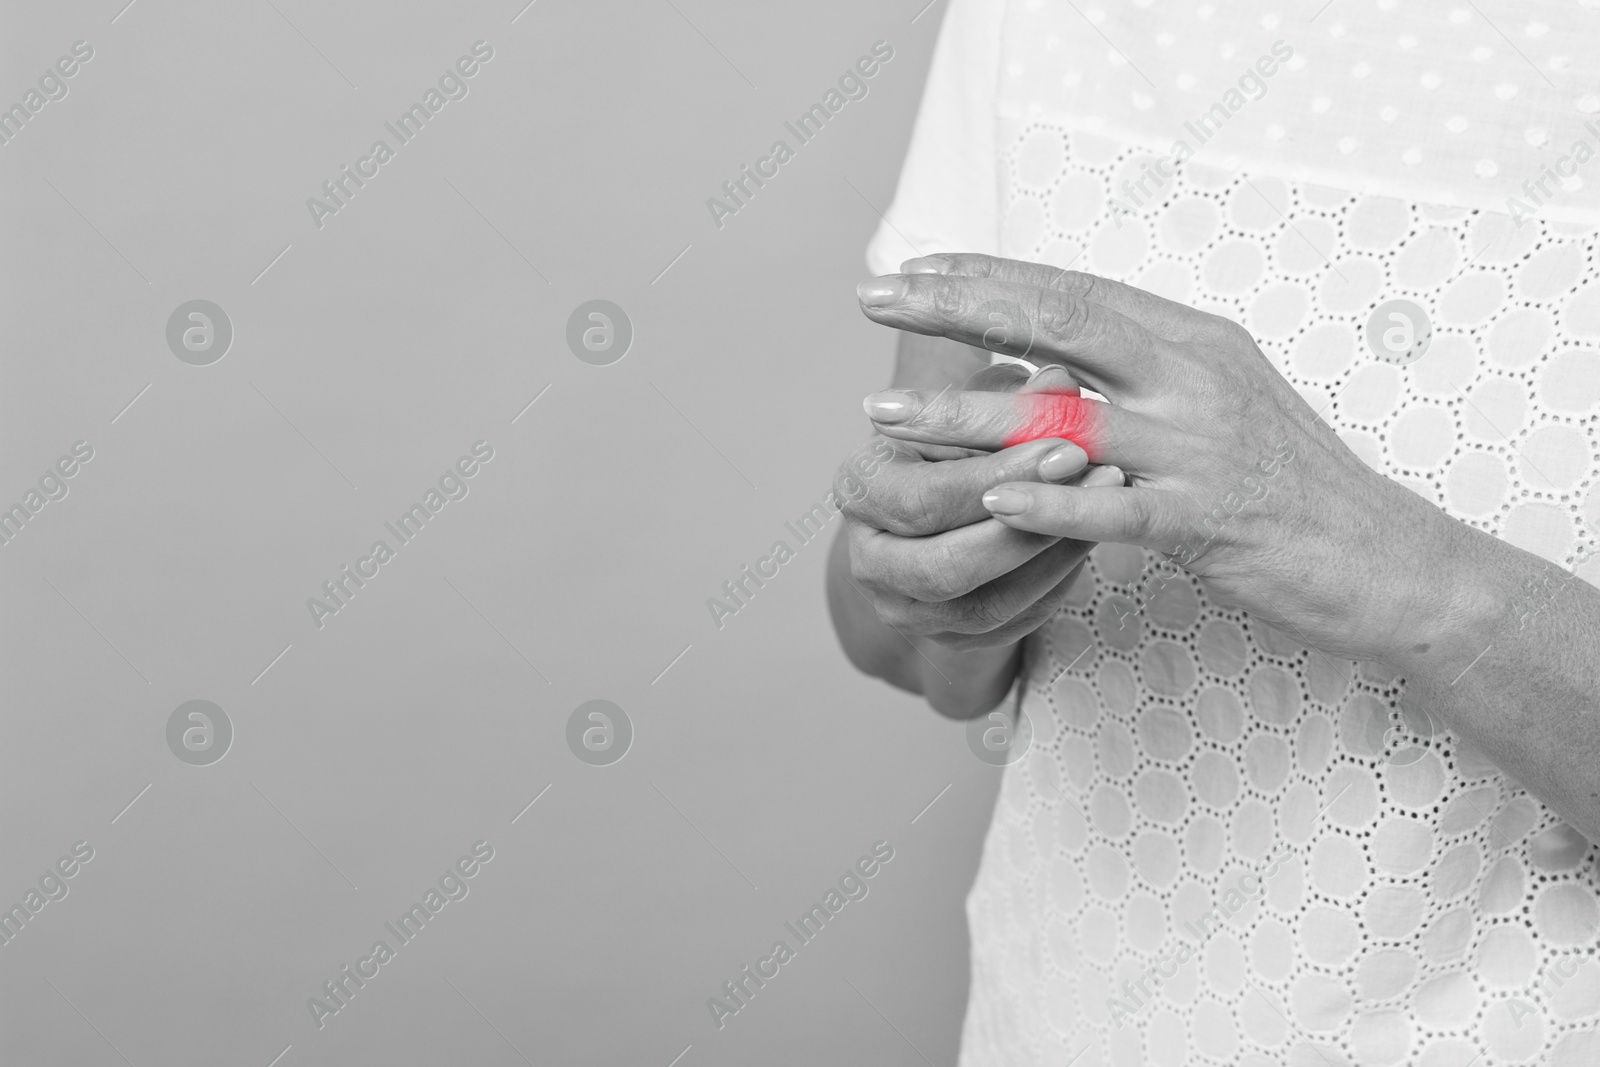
[
  {"x": 1150, "y": 518},
  {"x": 1051, "y": 378},
  {"x": 1018, "y": 596},
  {"x": 938, "y": 453},
  {"x": 954, "y": 563},
  {"x": 1020, "y": 376},
  {"x": 910, "y": 497},
  {"x": 999, "y": 378},
  {"x": 943, "y": 566},
  {"x": 1024, "y": 622},
  {"x": 1155, "y": 313},
  {"x": 1106, "y": 350},
  {"x": 1099, "y": 477},
  {"x": 1031, "y": 617},
  {"x": 1105, "y": 432}
]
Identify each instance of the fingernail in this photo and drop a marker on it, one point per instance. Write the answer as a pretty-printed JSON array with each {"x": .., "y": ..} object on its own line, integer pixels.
[
  {"x": 880, "y": 292},
  {"x": 924, "y": 265},
  {"x": 1062, "y": 463},
  {"x": 1000, "y": 378},
  {"x": 891, "y": 407},
  {"x": 1007, "y": 501},
  {"x": 1051, "y": 374},
  {"x": 1103, "y": 476}
]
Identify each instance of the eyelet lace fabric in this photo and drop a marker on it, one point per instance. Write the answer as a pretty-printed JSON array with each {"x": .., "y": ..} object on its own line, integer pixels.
[{"x": 1421, "y": 908}]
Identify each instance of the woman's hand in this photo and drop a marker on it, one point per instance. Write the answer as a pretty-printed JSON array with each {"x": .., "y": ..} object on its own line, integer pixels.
[
  {"x": 1233, "y": 476},
  {"x": 1236, "y": 478},
  {"x": 930, "y": 558}
]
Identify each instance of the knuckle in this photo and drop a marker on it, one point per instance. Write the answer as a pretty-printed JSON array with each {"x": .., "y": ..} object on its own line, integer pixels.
[
  {"x": 864, "y": 569},
  {"x": 870, "y": 565},
  {"x": 915, "y": 502},
  {"x": 986, "y": 611},
  {"x": 1074, "y": 283},
  {"x": 1058, "y": 315},
  {"x": 1233, "y": 334},
  {"x": 892, "y": 507},
  {"x": 941, "y": 574},
  {"x": 977, "y": 266},
  {"x": 904, "y": 515},
  {"x": 949, "y": 297},
  {"x": 955, "y": 409},
  {"x": 940, "y": 413}
]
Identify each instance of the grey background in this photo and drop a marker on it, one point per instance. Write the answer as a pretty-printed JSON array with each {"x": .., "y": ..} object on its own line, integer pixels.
[{"x": 375, "y": 352}]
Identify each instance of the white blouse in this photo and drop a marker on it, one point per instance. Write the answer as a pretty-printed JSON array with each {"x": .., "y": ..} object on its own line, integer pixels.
[{"x": 1221, "y": 846}]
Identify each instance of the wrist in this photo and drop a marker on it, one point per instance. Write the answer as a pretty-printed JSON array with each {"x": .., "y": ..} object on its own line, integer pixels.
[
  {"x": 966, "y": 682},
  {"x": 1466, "y": 596}
]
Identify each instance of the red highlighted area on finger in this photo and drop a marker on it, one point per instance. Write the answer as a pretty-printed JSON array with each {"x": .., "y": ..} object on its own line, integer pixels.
[{"x": 1064, "y": 415}]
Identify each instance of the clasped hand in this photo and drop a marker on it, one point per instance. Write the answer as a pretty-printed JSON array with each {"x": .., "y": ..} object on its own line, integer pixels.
[{"x": 1229, "y": 472}]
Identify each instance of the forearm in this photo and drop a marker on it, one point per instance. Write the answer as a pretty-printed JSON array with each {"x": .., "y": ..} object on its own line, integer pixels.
[
  {"x": 960, "y": 684},
  {"x": 1515, "y": 671}
]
